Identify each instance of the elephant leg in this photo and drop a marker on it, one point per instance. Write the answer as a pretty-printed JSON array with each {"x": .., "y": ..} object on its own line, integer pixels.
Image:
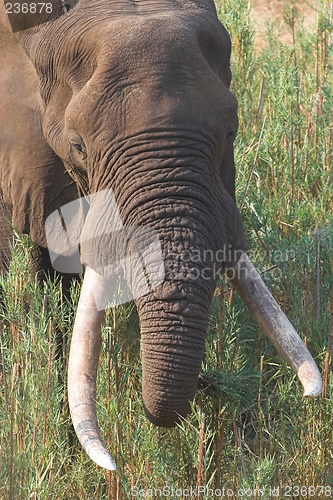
[{"x": 41, "y": 267}]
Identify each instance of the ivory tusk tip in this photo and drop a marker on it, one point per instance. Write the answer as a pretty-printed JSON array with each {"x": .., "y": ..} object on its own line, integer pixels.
[
  {"x": 103, "y": 460},
  {"x": 310, "y": 378},
  {"x": 312, "y": 391}
]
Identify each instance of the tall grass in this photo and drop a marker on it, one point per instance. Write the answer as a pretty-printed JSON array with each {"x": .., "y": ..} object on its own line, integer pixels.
[{"x": 250, "y": 430}]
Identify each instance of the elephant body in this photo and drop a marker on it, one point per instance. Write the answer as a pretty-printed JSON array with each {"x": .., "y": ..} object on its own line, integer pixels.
[
  {"x": 143, "y": 88},
  {"x": 130, "y": 97}
]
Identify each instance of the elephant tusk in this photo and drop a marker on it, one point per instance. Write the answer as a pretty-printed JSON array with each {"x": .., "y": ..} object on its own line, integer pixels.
[
  {"x": 262, "y": 305},
  {"x": 82, "y": 370}
]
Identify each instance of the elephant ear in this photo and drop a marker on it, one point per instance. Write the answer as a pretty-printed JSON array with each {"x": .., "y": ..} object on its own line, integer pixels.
[{"x": 24, "y": 15}]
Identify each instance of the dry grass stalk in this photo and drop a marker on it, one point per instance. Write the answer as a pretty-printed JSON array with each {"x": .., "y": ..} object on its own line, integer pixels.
[
  {"x": 200, "y": 451},
  {"x": 328, "y": 352}
]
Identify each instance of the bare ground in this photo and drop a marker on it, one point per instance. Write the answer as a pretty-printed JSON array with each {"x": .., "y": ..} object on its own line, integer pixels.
[{"x": 274, "y": 11}]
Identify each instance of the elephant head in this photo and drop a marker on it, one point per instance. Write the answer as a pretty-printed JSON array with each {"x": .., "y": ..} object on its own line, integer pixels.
[{"x": 134, "y": 100}]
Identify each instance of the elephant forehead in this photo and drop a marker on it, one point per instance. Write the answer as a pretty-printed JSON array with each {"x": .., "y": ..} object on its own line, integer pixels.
[
  {"x": 166, "y": 35},
  {"x": 161, "y": 68},
  {"x": 171, "y": 53},
  {"x": 172, "y": 38}
]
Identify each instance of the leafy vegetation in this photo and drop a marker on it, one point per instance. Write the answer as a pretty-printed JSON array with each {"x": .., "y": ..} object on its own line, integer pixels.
[{"x": 250, "y": 431}]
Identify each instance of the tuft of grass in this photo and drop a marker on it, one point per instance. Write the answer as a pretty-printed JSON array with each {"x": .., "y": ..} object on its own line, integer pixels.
[{"x": 250, "y": 430}]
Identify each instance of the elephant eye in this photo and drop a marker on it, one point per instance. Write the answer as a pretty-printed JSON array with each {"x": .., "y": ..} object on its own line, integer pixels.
[{"x": 79, "y": 148}]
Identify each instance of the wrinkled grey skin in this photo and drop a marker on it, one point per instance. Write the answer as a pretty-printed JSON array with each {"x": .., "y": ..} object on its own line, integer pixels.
[{"x": 132, "y": 96}]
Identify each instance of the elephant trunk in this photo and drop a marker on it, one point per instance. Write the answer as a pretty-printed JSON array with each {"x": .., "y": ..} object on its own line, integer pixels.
[{"x": 173, "y": 334}]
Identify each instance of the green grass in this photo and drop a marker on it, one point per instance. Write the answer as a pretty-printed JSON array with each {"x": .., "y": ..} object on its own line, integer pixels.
[{"x": 250, "y": 427}]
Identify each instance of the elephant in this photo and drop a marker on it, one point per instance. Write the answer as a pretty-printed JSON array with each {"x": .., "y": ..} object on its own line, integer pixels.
[{"x": 119, "y": 113}]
